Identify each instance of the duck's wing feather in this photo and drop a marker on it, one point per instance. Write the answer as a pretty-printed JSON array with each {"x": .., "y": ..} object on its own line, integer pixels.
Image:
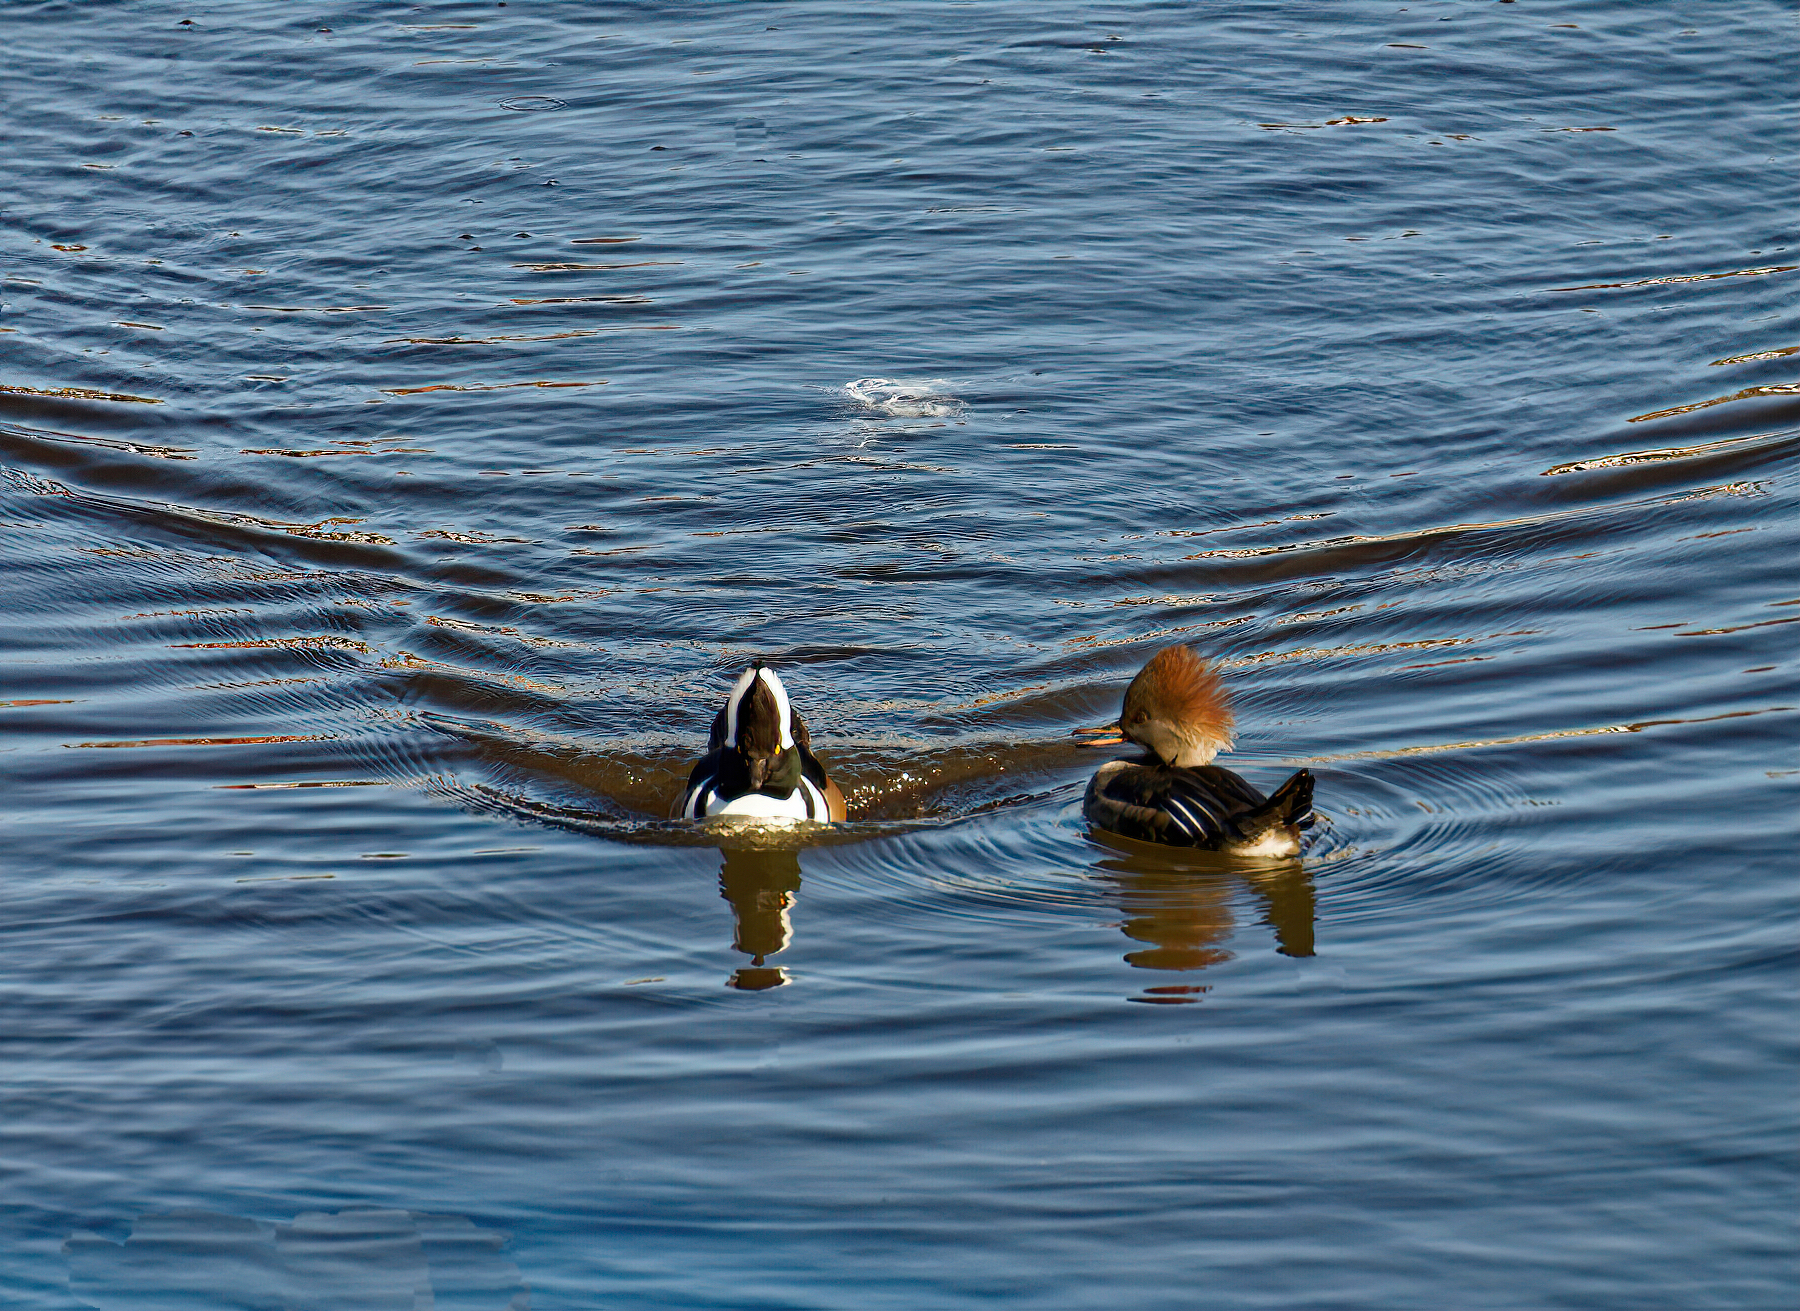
[
  {"x": 706, "y": 777},
  {"x": 814, "y": 771},
  {"x": 1289, "y": 804},
  {"x": 1177, "y": 807}
]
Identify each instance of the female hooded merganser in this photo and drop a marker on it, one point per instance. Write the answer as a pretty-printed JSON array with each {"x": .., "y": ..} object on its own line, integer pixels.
[
  {"x": 759, "y": 761},
  {"x": 1177, "y": 710}
]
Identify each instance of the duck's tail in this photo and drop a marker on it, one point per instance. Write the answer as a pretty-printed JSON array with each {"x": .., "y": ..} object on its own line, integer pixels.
[{"x": 1291, "y": 805}]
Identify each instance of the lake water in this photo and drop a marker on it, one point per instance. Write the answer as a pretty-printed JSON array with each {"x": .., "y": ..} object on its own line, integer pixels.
[{"x": 413, "y": 417}]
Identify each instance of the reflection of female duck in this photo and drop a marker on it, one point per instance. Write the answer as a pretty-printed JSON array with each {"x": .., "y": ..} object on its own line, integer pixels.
[
  {"x": 1186, "y": 916},
  {"x": 1177, "y": 710},
  {"x": 759, "y": 762},
  {"x": 1182, "y": 909}
]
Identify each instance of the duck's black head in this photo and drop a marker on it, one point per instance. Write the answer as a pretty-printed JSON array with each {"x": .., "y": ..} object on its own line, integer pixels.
[{"x": 759, "y": 725}]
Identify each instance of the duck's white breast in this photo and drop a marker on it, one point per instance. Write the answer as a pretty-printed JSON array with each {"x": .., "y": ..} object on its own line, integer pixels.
[{"x": 755, "y": 805}]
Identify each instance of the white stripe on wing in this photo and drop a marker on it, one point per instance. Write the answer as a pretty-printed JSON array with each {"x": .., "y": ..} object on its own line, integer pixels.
[{"x": 1192, "y": 826}]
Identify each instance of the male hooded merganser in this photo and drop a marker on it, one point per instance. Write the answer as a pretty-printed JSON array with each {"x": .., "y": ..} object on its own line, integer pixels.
[
  {"x": 1177, "y": 710},
  {"x": 759, "y": 761}
]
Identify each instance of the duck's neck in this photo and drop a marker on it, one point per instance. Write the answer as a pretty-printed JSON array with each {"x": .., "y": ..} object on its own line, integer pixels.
[
  {"x": 1171, "y": 746},
  {"x": 779, "y": 773}
]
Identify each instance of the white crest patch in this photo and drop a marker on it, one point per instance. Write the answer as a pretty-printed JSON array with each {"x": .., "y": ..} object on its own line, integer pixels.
[
  {"x": 784, "y": 716},
  {"x": 731, "y": 705}
]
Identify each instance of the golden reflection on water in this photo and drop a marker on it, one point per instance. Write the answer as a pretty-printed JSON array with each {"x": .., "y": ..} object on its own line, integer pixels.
[
  {"x": 1180, "y": 906},
  {"x": 760, "y": 884}
]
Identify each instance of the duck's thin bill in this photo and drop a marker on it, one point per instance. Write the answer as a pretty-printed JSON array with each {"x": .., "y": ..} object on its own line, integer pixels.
[{"x": 1106, "y": 735}]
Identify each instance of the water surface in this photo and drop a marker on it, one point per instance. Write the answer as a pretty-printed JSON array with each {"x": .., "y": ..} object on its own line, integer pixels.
[{"x": 412, "y": 418}]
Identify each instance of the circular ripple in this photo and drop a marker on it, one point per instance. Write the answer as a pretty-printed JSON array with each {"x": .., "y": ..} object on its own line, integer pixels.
[{"x": 533, "y": 104}]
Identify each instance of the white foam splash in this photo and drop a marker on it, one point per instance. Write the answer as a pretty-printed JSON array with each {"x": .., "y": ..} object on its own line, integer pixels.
[{"x": 908, "y": 398}]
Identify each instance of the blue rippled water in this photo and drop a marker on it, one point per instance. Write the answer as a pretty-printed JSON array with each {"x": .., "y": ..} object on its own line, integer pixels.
[{"x": 413, "y": 416}]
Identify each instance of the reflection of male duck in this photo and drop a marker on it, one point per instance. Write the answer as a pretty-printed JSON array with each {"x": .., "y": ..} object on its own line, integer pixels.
[{"x": 760, "y": 885}]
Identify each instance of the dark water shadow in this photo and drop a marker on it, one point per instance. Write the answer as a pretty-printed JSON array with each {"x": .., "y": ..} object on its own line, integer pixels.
[{"x": 351, "y": 1260}]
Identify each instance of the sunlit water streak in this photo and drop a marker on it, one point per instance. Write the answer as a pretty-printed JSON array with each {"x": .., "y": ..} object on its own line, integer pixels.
[{"x": 411, "y": 419}]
